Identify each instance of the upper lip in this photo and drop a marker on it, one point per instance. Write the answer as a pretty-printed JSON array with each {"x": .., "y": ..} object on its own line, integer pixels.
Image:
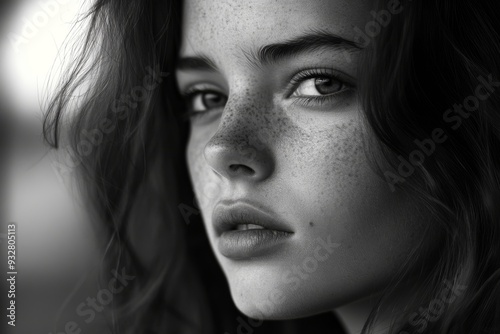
[{"x": 228, "y": 214}]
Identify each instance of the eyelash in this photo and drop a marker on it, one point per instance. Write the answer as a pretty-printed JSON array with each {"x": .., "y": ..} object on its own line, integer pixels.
[{"x": 294, "y": 83}]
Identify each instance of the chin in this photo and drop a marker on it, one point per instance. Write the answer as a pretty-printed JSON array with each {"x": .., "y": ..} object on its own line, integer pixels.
[
  {"x": 265, "y": 309},
  {"x": 275, "y": 302},
  {"x": 263, "y": 294}
]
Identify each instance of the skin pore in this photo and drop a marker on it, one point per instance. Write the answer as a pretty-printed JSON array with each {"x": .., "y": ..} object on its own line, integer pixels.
[{"x": 287, "y": 116}]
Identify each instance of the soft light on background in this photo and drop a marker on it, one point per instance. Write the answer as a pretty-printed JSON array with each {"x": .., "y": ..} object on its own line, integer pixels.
[{"x": 56, "y": 246}]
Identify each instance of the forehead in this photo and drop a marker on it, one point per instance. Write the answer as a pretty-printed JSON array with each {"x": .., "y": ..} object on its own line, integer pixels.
[{"x": 221, "y": 29}]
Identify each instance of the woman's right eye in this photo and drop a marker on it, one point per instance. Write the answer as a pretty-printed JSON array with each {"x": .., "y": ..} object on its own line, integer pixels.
[{"x": 200, "y": 102}]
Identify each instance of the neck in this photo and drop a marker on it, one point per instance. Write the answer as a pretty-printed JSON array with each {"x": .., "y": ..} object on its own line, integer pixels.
[{"x": 354, "y": 315}]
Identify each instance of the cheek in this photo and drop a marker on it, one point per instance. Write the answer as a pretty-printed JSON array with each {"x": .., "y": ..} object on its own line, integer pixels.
[
  {"x": 342, "y": 192},
  {"x": 327, "y": 165}
]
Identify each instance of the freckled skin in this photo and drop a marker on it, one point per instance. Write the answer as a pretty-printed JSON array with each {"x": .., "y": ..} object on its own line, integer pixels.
[{"x": 311, "y": 167}]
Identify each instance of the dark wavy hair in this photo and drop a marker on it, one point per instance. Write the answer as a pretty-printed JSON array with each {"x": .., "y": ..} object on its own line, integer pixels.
[{"x": 127, "y": 151}]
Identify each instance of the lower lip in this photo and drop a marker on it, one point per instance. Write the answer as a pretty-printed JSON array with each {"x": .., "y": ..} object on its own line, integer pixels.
[{"x": 244, "y": 244}]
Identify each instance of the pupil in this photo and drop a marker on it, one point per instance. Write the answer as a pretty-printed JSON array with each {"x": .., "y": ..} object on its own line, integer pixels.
[{"x": 327, "y": 85}]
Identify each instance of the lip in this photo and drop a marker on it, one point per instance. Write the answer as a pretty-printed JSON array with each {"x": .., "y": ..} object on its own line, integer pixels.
[{"x": 242, "y": 244}]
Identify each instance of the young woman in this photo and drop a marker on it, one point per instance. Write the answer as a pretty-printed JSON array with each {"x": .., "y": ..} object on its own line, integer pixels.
[{"x": 341, "y": 155}]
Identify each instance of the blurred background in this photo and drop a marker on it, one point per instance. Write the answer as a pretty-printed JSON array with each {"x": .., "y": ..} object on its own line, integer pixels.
[{"x": 56, "y": 255}]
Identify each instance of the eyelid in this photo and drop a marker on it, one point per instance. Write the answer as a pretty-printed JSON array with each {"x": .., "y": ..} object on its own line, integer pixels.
[
  {"x": 198, "y": 88},
  {"x": 320, "y": 101}
]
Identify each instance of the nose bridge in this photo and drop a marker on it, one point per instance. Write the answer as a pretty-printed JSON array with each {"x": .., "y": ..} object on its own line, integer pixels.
[
  {"x": 239, "y": 148},
  {"x": 240, "y": 121}
]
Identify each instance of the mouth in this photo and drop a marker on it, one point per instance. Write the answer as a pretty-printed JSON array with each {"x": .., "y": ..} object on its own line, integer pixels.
[
  {"x": 245, "y": 227},
  {"x": 245, "y": 231}
]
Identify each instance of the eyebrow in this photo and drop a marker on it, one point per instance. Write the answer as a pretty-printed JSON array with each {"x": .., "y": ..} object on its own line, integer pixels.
[{"x": 273, "y": 53}]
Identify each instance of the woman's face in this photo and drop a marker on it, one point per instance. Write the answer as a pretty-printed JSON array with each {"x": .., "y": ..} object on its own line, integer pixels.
[{"x": 277, "y": 142}]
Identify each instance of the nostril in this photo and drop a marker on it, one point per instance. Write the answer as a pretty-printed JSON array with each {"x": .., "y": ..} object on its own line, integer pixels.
[{"x": 238, "y": 168}]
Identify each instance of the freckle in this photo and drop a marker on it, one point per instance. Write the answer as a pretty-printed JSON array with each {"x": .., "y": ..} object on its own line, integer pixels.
[{"x": 311, "y": 224}]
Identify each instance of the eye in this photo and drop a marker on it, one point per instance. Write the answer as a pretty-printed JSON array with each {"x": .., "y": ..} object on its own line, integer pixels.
[
  {"x": 319, "y": 86},
  {"x": 201, "y": 101},
  {"x": 205, "y": 100}
]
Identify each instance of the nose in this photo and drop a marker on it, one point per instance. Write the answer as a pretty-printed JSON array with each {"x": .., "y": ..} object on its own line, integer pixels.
[{"x": 239, "y": 151}]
